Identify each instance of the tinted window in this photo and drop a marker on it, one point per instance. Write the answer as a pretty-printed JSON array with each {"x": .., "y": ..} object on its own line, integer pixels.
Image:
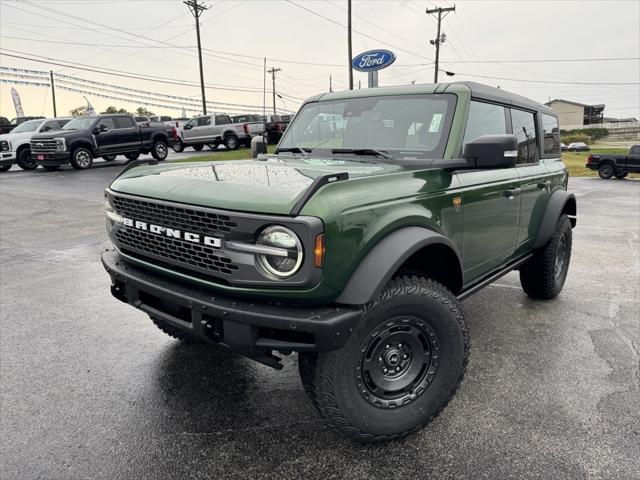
[
  {"x": 107, "y": 122},
  {"x": 124, "y": 122},
  {"x": 204, "y": 121},
  {"x": 551, "y": 134},
  {"x": 165, "y": 119},
  {"x": 634, "y": 150},
  {"x": 50, "y": 125},
  {"x": 484, "y": 119},
  {"x": 524, "y": 127},
  {"x": 63, "y": 122},
  {"x": 222, "y": 120}
]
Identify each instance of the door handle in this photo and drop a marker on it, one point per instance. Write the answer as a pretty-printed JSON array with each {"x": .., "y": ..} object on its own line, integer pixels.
[{"x": 512, "y": 193}]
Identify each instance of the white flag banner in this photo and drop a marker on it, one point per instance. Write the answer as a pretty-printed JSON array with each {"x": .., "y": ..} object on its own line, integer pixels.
[{"x": 17, "y": 102}]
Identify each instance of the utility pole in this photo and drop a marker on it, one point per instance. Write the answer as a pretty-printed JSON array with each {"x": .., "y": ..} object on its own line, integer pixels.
[
  {"x": 196, "y": 9},
  {"x": 330, "y": 84},
  {"x": 440, "y": 38},
  {"x": 273, "y": 72},
  {"x": 264, "y": 88},
  {"x": 53, "y": 94},
  {"x": 349, "y": 43}
]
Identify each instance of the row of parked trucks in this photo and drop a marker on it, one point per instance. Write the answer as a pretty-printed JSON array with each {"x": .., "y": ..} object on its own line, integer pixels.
[{"x": 52, "y": 142}]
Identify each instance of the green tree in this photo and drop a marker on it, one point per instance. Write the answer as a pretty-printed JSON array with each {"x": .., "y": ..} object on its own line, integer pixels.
[
  {"x": 80, "y": 111},
  {"x": 112, "y": 110},
  {"x": 144, "y": 112}
]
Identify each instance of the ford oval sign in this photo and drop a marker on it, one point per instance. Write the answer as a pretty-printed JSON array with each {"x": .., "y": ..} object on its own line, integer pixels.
[{"x": 373, "y": 60}]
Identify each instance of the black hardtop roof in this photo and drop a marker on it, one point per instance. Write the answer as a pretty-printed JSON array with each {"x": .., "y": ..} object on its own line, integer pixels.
[{"x": 480, "y": 91}]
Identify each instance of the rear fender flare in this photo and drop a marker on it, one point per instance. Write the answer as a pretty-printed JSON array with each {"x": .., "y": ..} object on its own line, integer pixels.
[
  {"x": 384, "y": 260},
  {"x": 560, "y": 201}
]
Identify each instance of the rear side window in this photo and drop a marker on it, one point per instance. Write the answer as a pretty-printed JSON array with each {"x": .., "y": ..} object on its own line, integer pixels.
[
  {"x": 484, "y": 119},
  {"x": 524, "y": 127},
  {"x": 222, "y": 120},
  {"x": 551, "y": 134},
  {"x": 124, "y": 122}
]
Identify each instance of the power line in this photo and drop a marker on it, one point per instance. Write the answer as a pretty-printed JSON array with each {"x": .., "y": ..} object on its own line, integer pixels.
[{"x": 545, "y": 81}]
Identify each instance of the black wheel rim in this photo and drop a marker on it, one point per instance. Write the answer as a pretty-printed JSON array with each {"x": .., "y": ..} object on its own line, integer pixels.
[
  {"x": 398, "y": 362},
  {"x": 29, "y": 161},
  {"x": 606, "y": 171}
]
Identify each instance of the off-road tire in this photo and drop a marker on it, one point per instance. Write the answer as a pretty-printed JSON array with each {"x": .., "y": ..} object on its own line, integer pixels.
[
  {"x": 542, "y": 276},
  {"x": 334, "y": 381},
  {"x": 132, "y": 156},
  {"x": 81, "y": 158},
  {"x": 173, "y": 332},
  {"x": 160, "y": 150},
  {"x": 178, "y": 146},
  {"x": 5, "y": 168},
  {"x": 26, "y": 161},
  {"x": 231, "y": 142},
  {"x": 51, "y": 168},
  {"x": 197, "y": 148},
  {"x": 621, "y": 174},
  {"x": 606, "y": 171}
]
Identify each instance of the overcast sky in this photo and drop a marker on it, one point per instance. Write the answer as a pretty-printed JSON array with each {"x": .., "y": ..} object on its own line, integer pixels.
[{"x": 157, "y": 38}]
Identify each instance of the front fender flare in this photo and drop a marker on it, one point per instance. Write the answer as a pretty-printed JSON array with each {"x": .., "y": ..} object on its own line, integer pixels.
[
  {"x": 384, "y": 259},
  {"x": 560, "y": 201}
]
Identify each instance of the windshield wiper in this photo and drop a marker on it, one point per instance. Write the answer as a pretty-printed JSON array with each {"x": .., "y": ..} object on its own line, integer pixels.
[
  {"x": 364, "y": 151},
  {"x": 304, "y": 151}
]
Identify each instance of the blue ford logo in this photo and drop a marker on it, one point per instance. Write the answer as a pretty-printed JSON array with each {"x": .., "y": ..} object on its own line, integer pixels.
[{"x": 373, "y": 60}]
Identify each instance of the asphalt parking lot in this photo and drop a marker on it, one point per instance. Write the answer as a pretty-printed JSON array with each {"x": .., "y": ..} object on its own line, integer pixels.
[{"x": 91, "y": 389}]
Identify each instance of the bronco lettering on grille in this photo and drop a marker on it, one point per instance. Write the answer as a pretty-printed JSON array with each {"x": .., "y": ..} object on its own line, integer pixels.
[{"x": 173, "y": 233}]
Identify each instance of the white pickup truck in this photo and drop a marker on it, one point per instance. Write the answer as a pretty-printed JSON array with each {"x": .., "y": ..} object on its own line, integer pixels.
[
  {"x": 15, "y": 146},
  {"x": 212, "y": 130}
]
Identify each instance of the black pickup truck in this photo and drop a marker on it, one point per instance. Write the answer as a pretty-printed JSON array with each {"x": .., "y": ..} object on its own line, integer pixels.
[
  {"x": 609, "y": 165},
  {"x": 85, "y": 138}
]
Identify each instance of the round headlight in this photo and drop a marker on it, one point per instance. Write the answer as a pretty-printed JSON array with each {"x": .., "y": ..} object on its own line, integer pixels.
[{"x": 287, "y": 254}]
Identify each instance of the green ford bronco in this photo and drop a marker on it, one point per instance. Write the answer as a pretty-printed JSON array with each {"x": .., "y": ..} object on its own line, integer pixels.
[{"x": 353, "y": 245}]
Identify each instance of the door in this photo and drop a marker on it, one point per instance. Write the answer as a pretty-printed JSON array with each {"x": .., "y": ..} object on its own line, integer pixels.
[
  {"x": 534, "y": 184},
  {"x": 490, "y": 200},
  {"x": 633, "y": 159},
  {"x": 195, "y": 128},
  {"x": 107, "y": 139},
  {"x": 128, "y": 133}
]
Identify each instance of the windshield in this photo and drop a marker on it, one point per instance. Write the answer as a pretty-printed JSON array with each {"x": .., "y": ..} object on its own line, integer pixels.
[
  {"x": 405, "y": 126},
  {"x": 29, "y": 126},
  {"x": 80, "y": 123}
]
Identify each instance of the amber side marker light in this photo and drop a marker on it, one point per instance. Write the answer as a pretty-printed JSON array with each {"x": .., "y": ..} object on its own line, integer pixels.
[{"x": 319, "y": 250}]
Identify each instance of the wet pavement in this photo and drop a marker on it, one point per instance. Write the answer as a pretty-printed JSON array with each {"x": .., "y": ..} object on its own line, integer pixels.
[{"x": 91, "y": 389}]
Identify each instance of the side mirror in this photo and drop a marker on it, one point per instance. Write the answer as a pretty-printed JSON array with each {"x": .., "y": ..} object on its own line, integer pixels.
[
  {"x": 493, "y": 151},
  {"x": 188, "y": 126}
]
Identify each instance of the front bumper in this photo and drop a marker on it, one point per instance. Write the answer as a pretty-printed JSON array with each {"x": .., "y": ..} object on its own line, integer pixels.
[
  {"x": 53, "y": 159},
  {"x": 252, "y": 329},
  {"x": 7, "y": 158}
]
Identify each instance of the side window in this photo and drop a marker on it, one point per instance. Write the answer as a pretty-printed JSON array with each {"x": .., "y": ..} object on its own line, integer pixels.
[
  {"x": 204, "y": 121},
  {"x": 124, "y": 122},
  {"x": 193, "y": 122},
  {"x": 221, "y": 120},
  {"x": 635, "y": 150},
  {"x": 484, "y": 119},
  {"x": 551, "y": 134},
  {"x": 524, "y": 127},
  {"x": 107, "y": 122},
  {"x": 48, "y": 126},
  {"x": 63, "y": 122}
]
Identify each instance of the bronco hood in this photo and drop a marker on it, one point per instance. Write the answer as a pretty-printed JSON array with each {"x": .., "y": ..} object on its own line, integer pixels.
[{"x": 271, "y": 186}]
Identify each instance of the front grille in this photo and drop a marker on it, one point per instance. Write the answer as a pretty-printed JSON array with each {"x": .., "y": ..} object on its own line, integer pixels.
[
  {"x": 189, "y": 254},
  {"x": 193, "y": 256},
  {"x": 43, "y": 146},
  {"x": 196, "y": 221}
]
